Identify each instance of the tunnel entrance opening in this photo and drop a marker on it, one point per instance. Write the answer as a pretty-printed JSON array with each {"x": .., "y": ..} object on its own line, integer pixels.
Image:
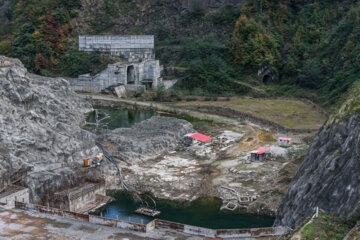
[
  {"x": 130, "y": 75},
  {"x": 266, "y": 79}
]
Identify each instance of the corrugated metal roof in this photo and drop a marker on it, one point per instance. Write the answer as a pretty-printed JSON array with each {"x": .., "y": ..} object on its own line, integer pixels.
[
  {"x": 201, "y": 137},
  {"x": 261, "y": 150}
]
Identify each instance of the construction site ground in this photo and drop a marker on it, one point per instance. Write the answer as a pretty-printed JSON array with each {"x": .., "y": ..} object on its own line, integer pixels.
[
  {"x": 19, "y": 225},
  {"x": 222, "y": 168}
]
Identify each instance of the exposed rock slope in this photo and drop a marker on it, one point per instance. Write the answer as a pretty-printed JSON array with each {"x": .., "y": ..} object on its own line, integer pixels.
[
  {"x": 177, "y": 17},
  {"x": 40, "y": 132},
  {"x": 148, "y": 138},
  {"x": 329, "y": 176}
]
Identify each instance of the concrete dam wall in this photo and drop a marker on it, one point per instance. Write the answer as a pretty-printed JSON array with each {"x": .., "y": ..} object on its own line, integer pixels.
[
  {"x": 132, "y": 48},
  {"x": 140, "y": 68}
]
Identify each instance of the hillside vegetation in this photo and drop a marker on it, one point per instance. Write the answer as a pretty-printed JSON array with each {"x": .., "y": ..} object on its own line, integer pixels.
[
  {"x": 39, "y": 34},
  {"x": 310, "y": 46},
  {"x": 288, "y": 113},
  {"x": 318, "y": 42}
]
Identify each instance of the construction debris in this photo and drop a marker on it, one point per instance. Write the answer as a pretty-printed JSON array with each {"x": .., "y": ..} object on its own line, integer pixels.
[{"x": 147, "y": 212}]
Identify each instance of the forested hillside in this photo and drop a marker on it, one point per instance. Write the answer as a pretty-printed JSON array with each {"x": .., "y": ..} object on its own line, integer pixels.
[
  {"x": 318, "y": 42},
  {"x": 310, "y": 46}
]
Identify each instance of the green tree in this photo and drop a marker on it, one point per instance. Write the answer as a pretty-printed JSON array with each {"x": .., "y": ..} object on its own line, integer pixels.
[
  {"x": 252, "y": 47},
  {"x": 5, "y": 47},
  {"x": 310, "y": 74}
]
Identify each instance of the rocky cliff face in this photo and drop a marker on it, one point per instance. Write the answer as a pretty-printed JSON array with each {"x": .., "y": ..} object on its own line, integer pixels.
[
  {"x": 178, "y": 17},
  {"x": 40, "y": 134},
  {"x": 329, "y": 176}
]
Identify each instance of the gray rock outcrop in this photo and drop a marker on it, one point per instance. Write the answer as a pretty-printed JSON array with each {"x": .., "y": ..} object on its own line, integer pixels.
[
  {"x": 169, "y": 15},
  {"x": 40, "y": 134},
  {"x": 148, "y": 138},
  {"x": 328, "y": 177}
]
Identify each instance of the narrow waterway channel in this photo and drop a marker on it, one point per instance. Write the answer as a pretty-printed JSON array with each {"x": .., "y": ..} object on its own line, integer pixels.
[{"x": 112, "y": 118}]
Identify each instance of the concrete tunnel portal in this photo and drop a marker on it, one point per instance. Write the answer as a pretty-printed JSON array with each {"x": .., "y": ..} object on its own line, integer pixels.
[{"x": 131, "y": 74}]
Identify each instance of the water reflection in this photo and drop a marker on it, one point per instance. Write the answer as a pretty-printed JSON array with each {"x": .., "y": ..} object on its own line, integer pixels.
[{"x": 202, "y": 212}]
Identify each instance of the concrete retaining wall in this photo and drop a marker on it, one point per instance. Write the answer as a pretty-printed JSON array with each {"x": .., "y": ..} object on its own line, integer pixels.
[
  {"x": 129, "y": 47},
  {"x": 52, "y": 211},
  {"x": 77, "y": 198},
  {"x": 13, "y": 194},
  {"x": 251, "y": 233},
  {"x": 148, "y": 71},
  {"x": 87, "y": 218},
  {"x": 199, "y": 231}
]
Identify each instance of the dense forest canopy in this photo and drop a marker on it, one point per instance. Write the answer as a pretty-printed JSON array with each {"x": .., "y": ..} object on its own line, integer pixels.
[
  {"x": 39, "y": 32},
  {"x": 311, "y": 46},
  {"x": 318, "y": 41}
]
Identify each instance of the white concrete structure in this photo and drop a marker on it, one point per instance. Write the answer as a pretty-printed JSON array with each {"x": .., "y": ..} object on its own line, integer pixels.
[
  {"x": 132, "y": 48},
  {"x": 14, "y": 194},
  {"x": 140, "y": 69},
  {"x": 80, "y": 198},
  {"x": 129, "y": 74},
  {"x": 284, "y": 142}
]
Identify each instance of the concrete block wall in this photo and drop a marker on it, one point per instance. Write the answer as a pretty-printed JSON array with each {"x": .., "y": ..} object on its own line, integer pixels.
[
  {"x": 17, "y": 194},
  {"x": 77, "y": 198},
  {"x": 87, "y": 218},
  {"x": 117, "y": 74},
  {"x": 250, "y": 233},
  {"x": 86, "y": 198},
  {"x": 133, "y": 48}
]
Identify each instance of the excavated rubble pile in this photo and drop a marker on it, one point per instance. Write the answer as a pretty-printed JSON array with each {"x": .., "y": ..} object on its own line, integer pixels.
[{"x": 147, "y": 139}]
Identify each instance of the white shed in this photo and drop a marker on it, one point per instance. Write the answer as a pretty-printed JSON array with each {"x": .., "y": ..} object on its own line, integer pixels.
[{"x": 284, "y": 142}]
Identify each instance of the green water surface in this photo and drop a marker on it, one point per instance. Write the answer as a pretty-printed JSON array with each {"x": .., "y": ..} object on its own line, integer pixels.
[
  {"x": 202, "y": 212},
  {"x": 118, "y": 118},
  {"x": 124, "y": 118}
]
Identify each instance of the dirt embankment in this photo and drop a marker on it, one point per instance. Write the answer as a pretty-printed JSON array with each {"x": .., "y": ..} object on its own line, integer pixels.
[{"x": 230, "y": 113}]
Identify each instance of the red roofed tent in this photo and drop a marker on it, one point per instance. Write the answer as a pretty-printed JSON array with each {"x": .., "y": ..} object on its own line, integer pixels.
[{"x": 201, "y": 137}]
